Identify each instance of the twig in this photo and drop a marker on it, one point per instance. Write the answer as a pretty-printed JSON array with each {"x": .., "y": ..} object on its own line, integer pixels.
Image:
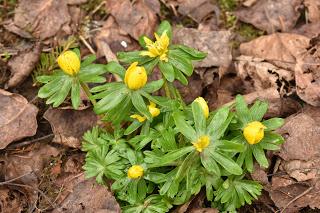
[
  {"x": 97, "y": 8},
  {"x": 297, "y": 197},
  {"x": 87, "y": 44},
  {"x": 14, "y": 179},
  {"x": 25, "y": 143}
]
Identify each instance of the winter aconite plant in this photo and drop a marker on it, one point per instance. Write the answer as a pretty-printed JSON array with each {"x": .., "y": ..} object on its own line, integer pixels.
[{"x": 158, "y": 151}]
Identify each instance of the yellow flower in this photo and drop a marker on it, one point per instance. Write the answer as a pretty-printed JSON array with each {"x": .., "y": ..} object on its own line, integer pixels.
[
  {"x": 157, "y": 48},
  {"x": 254, "y": 132},
  {"x": 135, "y": 171},
  {"x": 135, "y": 77},
  {"x": 203, "y": 105},
  {"x": 202, "y": 143},
  {"x": 69, "y": 62},
  {"x": 154, "y": 111}
]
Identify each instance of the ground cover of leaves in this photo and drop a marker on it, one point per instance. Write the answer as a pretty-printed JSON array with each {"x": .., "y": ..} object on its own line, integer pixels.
[{"x": 262, "y": 49}]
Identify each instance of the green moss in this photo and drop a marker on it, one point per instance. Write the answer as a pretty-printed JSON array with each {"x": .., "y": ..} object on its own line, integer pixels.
[
  {"x": 248, "y": 31},
  {"x": 228, "y": 5}
]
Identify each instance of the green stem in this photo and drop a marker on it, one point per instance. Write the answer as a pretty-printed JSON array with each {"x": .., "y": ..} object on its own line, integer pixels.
[
  {"x": 88, "y": 93},
  {"x": 176, "y": 93},
  {"x": 166, "y": 88}
]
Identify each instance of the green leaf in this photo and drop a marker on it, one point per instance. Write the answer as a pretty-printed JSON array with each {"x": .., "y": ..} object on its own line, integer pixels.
[
  {"x": 172, "y": 156},
  {"x": 199, "y": 118},
  {"x": 258, "y": 110},
  {"x": 109, "y": 102},
  {"x": 219, "y": 123},
  {"x": 133, "y": 127},
  {"x": 248, "y": 160},
  {"x": 186, "y": 164},
  {"x": 273, "y": 123},
  {"x": 180, "y": 77},
  {"x": 134, "y": 56},
  {"x": 209, "y": 163},
  {"x": 75, "y": 94},
  {"x": 196, "y": 55},
  {"x": 260, "y": 156},
  {"x": 180, "y": 63},
  {"x": 121, "y": 112},
  {"x": 77, "y": 51},
  {"x": 50, "y": 88},
  {"x": 226, "y": 162},
  {"x": 230, "y": 146},
  {"x": 184, "y": 127},
  {"x": 242, "y": 109},
  {"x": 273, "y": 138},
  {"x": 61, "y": 94},
  {"x": 115, "y": 68},
  {"x": 155, "y": 177},
  {"x": 165, "y": 27},
  {"x": 153, "y": 86},
  {"x": 88, "y": 60},
  {"x": 167, "y": 70},
  {"x": 140, "y": 105},
  {"x": 149, "y": 66},
  {"x": 108, "y": 86}
]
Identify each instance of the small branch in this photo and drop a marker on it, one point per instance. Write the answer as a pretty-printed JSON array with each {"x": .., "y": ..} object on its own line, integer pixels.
[
  {"x": 87, "y": 44},
  {"x": 25, "y": 143},
  {"x": 296, "y": 198},
  {"x": 14, "y": 179}
]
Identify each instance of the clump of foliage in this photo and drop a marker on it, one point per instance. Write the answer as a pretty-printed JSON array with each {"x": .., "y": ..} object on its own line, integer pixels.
[{"x": 160, "y": 151}]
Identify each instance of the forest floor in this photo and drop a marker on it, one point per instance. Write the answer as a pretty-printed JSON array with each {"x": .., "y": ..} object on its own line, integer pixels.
[{"x": 266, "y": 49}]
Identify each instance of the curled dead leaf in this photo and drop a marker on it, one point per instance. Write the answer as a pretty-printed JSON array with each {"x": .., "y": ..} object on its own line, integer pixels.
[
  {"x": 22, "y": 65},
  {"x": 69, "y": 125},
  {"x": 313, "y": 7},
  {"x": 272, "y": 15},
  {"x": 134, "y": 17},
  {"x": 197, "y": 10},
  {"x": 215, "y": 43},
  {"x": 18, "y": 118}
]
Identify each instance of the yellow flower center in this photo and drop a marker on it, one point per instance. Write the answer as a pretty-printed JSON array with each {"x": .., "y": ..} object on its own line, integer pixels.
[
  {"x": 154, "y": 111},
  {"x": 157, "y": 48},
  {"x": 135, "y": 77},
  {"x": 202, "y": 143},
  {"x": 254, "y": 132},
  {"x": 203, "y": 105},
  {"x": 135, "y": 172},
  {"x": 69, "y": 62}
]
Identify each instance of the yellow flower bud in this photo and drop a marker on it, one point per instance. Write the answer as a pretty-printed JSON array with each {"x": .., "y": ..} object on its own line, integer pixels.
[
  {"x": 154, "y": 111},
  {"x": 135, "y": 172},
  {"x": 69, "y": 62},
  {"x": 202, "y": 143},
  {"x": 203, "y": 105},
  {"x": 254, "y": 132},
  {"x": 135, "y": 77},
  {"x": 138, "y": 117}
]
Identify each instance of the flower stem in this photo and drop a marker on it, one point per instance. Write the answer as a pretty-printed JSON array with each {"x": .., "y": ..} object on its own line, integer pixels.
[
  {"x": 176, "y": 93},
  {"x": 166, "y": 88},
  {"x": 88, "y": 93}
]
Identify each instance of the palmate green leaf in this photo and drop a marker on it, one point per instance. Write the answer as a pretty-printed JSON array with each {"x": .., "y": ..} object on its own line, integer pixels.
[
  {"x": 186, "y": 165},
  {"x": 149, "y": 65},
  {"x": 110, "y": 101},
  {"x": 115, "y": 68},
  {"x": 92, "y": 72},
  {"x": 248, "y": 160},
  {"x": 50, "y": 88},
  {"x": 180, "y": 77},
  {"x": 167, "y": 70},
  {"x": 230, "y": 146},
  {"x": 273, "y": 123},
  {"x": 152, "y": 204},
  {"x": 258, "y": 110},
  {"x": 120, "y": 113},
  {"x": 184, "y": 127},
  {"x": 107, "y": 87},
  {"x": 88, "y": 60},
  {"x": 171, "y": 156},
  {"x": 179, "y": 62},
  {"x": 60, "y": 95},
  {"x": 155, "y": 177},
  {"x": 199, "y": 118},
  {"x": 260, "y": 156},
  {"x": 133, "y": 127},
  {"x": 92, "y": 140},
  {"x": 209, "y": 163},
  {"x": 219, "y": 123},
  {"x": 165, "y": 27}
]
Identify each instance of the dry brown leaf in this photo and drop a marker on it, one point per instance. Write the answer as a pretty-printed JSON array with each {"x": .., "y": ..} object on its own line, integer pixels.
[
  {"x": 29, "y": 165},
  {"x": 309, "y": 30},
  {"x": 271, "y": 15},
  {"x": 313, "y": 7},
  {"x": 204, "y": 210},
  {"x": 215, "y": 43},
  {"x": 43, "y": 18},
  {"x": 192, "y": 90},
  {"x": 69, "y": 125},
  {"x": 280, "y": 49},
  {"x": 89, "y": 197},
  {"x": 18, "y": 118},
  {"x": 136, "y": 17},
  {"x": 11, "y": 201},
  {"x": 112, "y": 36},
  {"x": 22, "y": 65},
  {"x": 197, "y": 10},
  {"x": 302, "y": 133},
  {"x": 263, "y": 75},
  {"x": 308, "y": 76}
]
